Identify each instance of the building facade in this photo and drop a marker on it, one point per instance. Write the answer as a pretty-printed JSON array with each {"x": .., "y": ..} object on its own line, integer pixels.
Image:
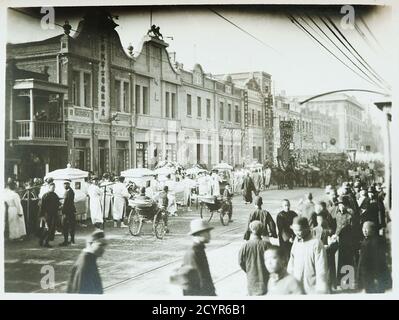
[
  {"x": 350, "y": 115},
  {"x": 86, "y": 100}
]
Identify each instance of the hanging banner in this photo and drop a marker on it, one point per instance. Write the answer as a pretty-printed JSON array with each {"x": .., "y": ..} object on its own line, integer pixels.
[{"x": 286, "y": 138}]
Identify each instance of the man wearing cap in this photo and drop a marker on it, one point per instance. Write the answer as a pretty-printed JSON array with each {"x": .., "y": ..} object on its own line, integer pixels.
[
  {"x": 49, "y": 210},
  {"x": 96, "y": 203},
  {"x": 68, "y": 214},
  {"x": 308, "y": 259},
  {"x": 196, "y": 256},
  {"x": 85, "y": 277},
  {"x": 251, "y": 260}
]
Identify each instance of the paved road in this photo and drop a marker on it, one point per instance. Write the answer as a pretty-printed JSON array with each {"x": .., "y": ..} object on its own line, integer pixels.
[{"x": 142, "y": 265}]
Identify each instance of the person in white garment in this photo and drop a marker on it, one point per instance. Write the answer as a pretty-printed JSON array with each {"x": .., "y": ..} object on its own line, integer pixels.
[
  {"x": 189, "y": 184},
  {"x": 268, "y": 175},
  {"x": 121, "y": 194},
  {"x": 203, "y": 184},
  {"x": 107, "y": 185},
  {"x": 215, "y": 184},
  {"x": 96, "y": 198},
  {"x": 171, "y": 184},
  {"x": 155, "y": 185},
  {"x": 14, "y": 211}
]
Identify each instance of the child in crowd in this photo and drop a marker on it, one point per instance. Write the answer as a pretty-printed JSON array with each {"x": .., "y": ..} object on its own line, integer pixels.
[{"x": 280, "y": 282}]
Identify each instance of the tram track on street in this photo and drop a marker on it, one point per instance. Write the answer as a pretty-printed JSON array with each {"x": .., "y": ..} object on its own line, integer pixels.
[{"x": 141, "y": 274}]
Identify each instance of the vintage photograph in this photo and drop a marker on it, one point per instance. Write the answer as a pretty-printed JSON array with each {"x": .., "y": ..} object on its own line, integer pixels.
[{"x": 172, "y": 151}]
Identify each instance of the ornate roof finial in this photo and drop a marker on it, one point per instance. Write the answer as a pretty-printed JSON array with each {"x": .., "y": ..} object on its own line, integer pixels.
[
  {"x": 130, "y": 49},
  {"x": 67, "y": 28},
  {"x": 154, "y": 32}
]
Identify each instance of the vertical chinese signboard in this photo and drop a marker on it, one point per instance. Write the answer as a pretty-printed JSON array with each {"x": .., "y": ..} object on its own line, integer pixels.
[
  {"x": 104, "y": 80},
  {"x": 286, "y": 139},
  {"x": 246, "y": 127}
]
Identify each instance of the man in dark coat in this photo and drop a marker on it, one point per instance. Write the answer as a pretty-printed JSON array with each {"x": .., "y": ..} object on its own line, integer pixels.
[
  {"x": 68, "y": 214},
  {"x": 371, "y": 211},
  {"x": 347, "y": 238},
  {"x": 373, "y": 275},
  {"x": 251, "y": 260},
  {"x": 268, "y": 225},
  {"x": 380, "y": 200},
  {"x": 285, "y": 234},
  {"x": 247, "y": 188},
  {"x": 85, "y": 277},
  {"x": 49, "y": 210},
  {"x": 196, "y": 257}
]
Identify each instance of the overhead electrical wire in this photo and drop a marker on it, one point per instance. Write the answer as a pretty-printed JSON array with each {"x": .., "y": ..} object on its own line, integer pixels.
[
  {"x": 245, "y": 31},
  {"x": 349, "y": 58},
  {"x": 361, "y": 70},
  {"x": 349, "y": 43},
  {"x": 302, "y": 28}
]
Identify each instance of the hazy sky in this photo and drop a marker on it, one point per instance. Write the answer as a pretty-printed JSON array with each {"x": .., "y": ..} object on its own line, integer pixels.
[{"x": 297, "y": 64}]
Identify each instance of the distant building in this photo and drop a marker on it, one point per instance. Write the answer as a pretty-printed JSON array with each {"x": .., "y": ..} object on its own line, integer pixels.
[{"x": 349, "y": 113}]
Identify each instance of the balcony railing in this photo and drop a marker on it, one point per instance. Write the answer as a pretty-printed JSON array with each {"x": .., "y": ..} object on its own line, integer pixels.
[{"x": 40, "y": 130}]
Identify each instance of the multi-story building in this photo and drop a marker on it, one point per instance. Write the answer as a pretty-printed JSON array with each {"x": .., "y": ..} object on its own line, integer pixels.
[
  {"x": 199, "y": 132},
  {"x": 349, "y": 112},
  {"x": 86, "y": 100},
  {"x": 257, "y": 114},
  {"x": 312, "y": 130}
]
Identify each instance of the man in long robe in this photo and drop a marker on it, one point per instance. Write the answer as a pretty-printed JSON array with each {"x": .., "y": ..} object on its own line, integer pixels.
[
  {"x": 68, "y": 214},
  {"x": 107, "y": 186},
  {"x": 49, "y": 211},
  {"x": 196, "y": 256},
  {"x": 251, "y": 260},
  {"x": 14, "y": 210},
  {"x": 121, "y": 194},
  {"x": 284, "y": 221},
  {"x": 247, "y": 188},
  {"x": 85, "y": 278},
  {"x": 308, "y": 259},
  {"x": 96, "y": 203}
]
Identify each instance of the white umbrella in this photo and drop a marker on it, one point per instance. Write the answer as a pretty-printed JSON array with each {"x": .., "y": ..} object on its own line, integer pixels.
[
  {"x": 137, "y": 173},
  {"x": 67, "y": 173},
  {"x": 223, "y": 166}
]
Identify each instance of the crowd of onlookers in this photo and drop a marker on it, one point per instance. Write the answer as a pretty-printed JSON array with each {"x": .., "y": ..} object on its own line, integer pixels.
[{"x": 334, "y": 245}]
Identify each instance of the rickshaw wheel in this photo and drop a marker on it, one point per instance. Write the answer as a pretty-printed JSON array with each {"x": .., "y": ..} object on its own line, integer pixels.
[
  {"x": 205, "y": 213},
  {"x": 224, "y": 218},
  {"x": 159, "y": 227},
  {"x": 135, "y": 223}
]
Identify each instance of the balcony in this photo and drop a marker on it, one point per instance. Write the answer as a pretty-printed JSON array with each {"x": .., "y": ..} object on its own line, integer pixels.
[{"x": 46, "y": 132}]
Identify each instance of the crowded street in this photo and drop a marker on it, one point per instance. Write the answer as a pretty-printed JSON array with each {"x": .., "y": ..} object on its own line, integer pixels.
[
  {"x": 128, "y": 173},
  {"x": 130, "y": 262}
]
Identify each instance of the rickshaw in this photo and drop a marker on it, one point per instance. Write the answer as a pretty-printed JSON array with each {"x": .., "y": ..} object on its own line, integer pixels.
[
  {"x": 143, "y": 212},
  {"x": 225, "y": 170},
  {"x": 209, "y": 205}
]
